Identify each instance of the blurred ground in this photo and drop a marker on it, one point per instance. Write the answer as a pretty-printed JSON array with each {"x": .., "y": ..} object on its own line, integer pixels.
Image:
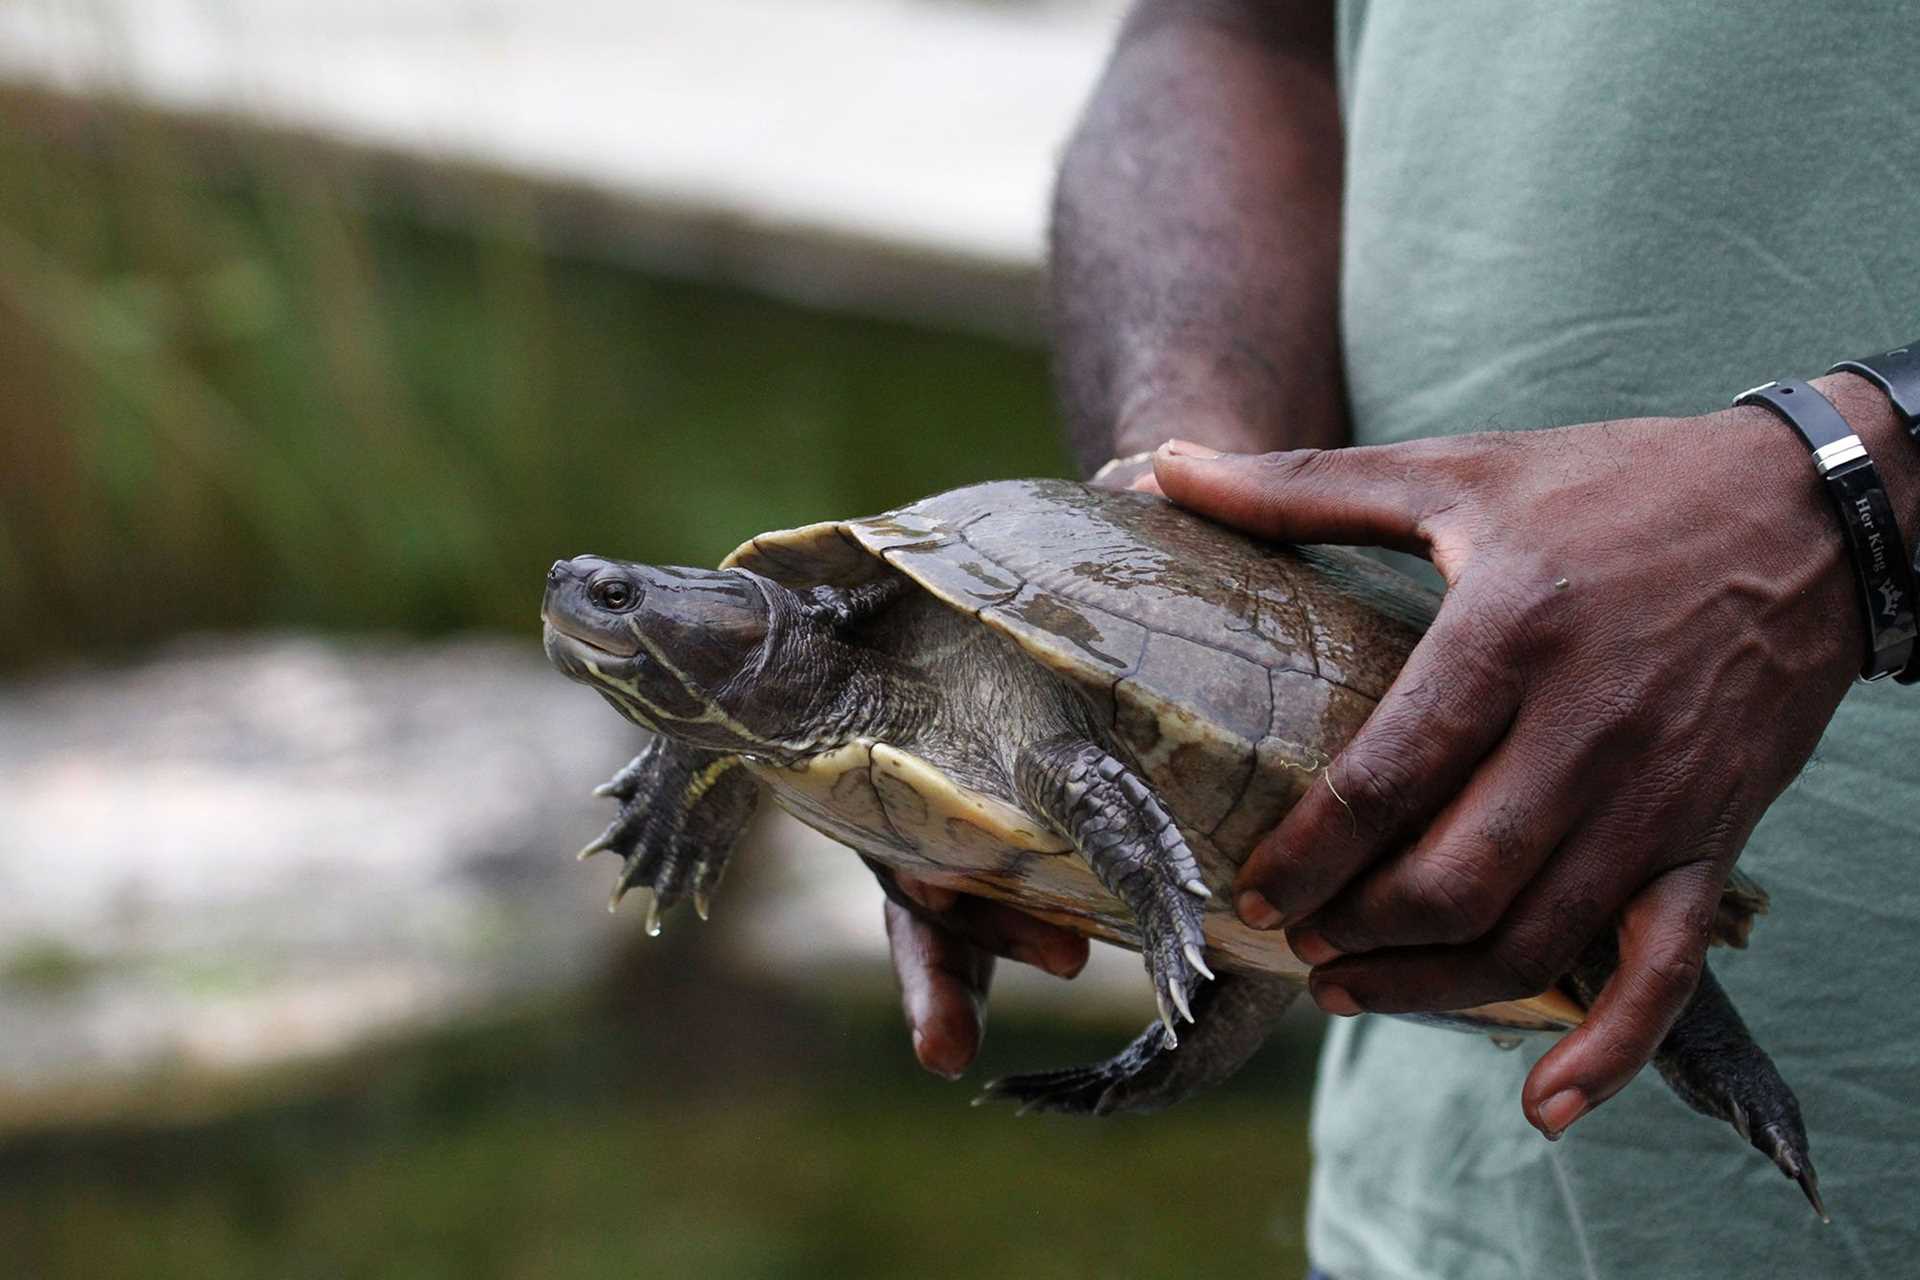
[{"x": 742, "y": 1136}]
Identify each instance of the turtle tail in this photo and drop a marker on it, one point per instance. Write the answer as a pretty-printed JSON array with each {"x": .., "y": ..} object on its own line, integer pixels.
[{"x": 1741, "y": 903}]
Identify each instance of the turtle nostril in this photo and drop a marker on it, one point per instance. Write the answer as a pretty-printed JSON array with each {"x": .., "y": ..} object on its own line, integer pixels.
[{"x": 558, "y": 572}]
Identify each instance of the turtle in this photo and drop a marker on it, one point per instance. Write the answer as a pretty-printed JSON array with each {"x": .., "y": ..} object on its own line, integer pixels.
[{"x": 1080, "y": 700}]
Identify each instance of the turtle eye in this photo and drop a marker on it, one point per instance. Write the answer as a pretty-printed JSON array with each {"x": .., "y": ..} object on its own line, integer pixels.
[{"x": 611, "y": 593}]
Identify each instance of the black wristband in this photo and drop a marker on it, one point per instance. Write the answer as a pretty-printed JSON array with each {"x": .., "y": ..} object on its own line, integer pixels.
[
  {"x": 1898, "y": 374},
  {"x": 1873, "y": 536}
]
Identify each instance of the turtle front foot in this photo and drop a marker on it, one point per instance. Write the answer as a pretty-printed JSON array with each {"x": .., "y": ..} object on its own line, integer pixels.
[
  {"x": 1232, "y": 1018},
  {"x": 1133, "y": 845},
  {"x": 681, "y": 813}
]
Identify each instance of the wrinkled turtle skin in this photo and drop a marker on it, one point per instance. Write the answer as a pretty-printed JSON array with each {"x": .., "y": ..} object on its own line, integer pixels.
[{"x": 1082, "y": 701}]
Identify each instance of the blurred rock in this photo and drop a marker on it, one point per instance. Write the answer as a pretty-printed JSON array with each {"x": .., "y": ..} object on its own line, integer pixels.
[
  {"x": 244, "y": 850},
  {"x": 240, "y": 851}
]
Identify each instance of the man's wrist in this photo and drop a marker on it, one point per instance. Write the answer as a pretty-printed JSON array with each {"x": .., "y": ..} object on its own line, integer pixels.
[
  {"x": 1772, "y": 489},
  {"x": 1857, "y": 495},
  {"x": 1154, "y": 415},
  {"x": 1182, "y": 399}
]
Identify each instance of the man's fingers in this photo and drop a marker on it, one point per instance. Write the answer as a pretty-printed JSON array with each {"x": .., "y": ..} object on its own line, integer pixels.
[
  {"x": 993, "y": 927},
  {"x": 943, "y": 944},
  {"x": 1532, "y": 947},
  {"x": 1663, "y": 944},
  {"x": 1008, "y": 931},
  {"x": 1461, "y": 877},
  {"x": 1449, "y": 705},
  {"x": 1375, "y": 496},
  {"x": 943, "y": 990}
]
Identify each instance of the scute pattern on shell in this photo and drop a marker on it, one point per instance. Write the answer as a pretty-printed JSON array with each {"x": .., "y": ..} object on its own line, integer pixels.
[{"x": 1204, "y": 651}]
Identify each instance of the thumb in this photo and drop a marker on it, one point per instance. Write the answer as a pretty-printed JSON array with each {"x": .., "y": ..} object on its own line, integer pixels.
[
  {"x": 1373, "y": 496},
  {"x": 1663, "y": 936}
]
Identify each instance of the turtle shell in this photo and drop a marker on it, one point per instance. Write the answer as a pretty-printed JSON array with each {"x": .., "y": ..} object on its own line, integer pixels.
[{"x": 1231, "y": 670}]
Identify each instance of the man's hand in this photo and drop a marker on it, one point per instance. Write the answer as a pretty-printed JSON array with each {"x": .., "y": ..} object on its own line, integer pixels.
[
  {"x": 1648, "y": 625},
  {"x": 943, "y": 945}
]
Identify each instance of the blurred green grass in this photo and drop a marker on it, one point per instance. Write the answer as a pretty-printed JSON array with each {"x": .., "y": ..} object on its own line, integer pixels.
[
  {"x": 245, "y": 388},
  {"x": 580, "y": 1141}
]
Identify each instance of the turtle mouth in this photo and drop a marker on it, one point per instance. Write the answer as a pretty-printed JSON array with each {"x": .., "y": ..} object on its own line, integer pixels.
[{"x": 563, "y": 635}]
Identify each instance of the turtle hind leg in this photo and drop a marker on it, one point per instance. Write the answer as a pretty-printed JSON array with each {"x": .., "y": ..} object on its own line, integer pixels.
[
  {"x": 682, "y": 810},
  {"x": 1133, "y": 846},
  {"x": 1232, "y": 1018},
  {"x": 1711, "y": 1062}
]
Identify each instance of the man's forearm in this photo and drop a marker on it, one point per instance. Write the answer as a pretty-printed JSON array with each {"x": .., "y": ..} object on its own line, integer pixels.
[{"x": 1195, "y": 246}]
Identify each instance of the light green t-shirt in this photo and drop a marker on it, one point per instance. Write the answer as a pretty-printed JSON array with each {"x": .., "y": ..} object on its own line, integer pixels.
[{"x": 1565, "y": 212}]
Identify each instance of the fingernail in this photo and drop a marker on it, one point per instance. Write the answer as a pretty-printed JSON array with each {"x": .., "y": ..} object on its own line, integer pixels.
[
  {"x": 1561, "y": 1110},
  {"x": 1254, "y": 910},
  {"x": 920, "y": 1052},
  {"x": 1335, "y": 1000},
  {"x": 1187, "y": 449},
  {"x": 1311, "y": 947}
]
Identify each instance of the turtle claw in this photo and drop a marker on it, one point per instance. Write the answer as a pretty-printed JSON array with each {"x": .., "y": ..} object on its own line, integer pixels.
[
  {"x": 625, "y": 784},
  {"x": 681, "y": 812},
  {"x": 651, "y": 898},
  {"x": 706, "y": 881},
  {"x": 1234, "y": 1016},
  {"x": 1174, "y": 954},
  {"x": 1198, "y": 888},
  {"x": 1810, "y": 1187},
  {"x": 1180, "y": 1000},
  {"x": 1166, "y": 1019},
  {"x": 1144, "y": 1077},
  {"x": 1790, "y": 1156},
  {"x": 1084, "y": 1091},
  {"x": 1198, "y": 961}
]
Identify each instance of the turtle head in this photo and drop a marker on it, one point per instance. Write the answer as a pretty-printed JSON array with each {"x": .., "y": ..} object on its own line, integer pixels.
[{"x": 677, "y": 651}]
